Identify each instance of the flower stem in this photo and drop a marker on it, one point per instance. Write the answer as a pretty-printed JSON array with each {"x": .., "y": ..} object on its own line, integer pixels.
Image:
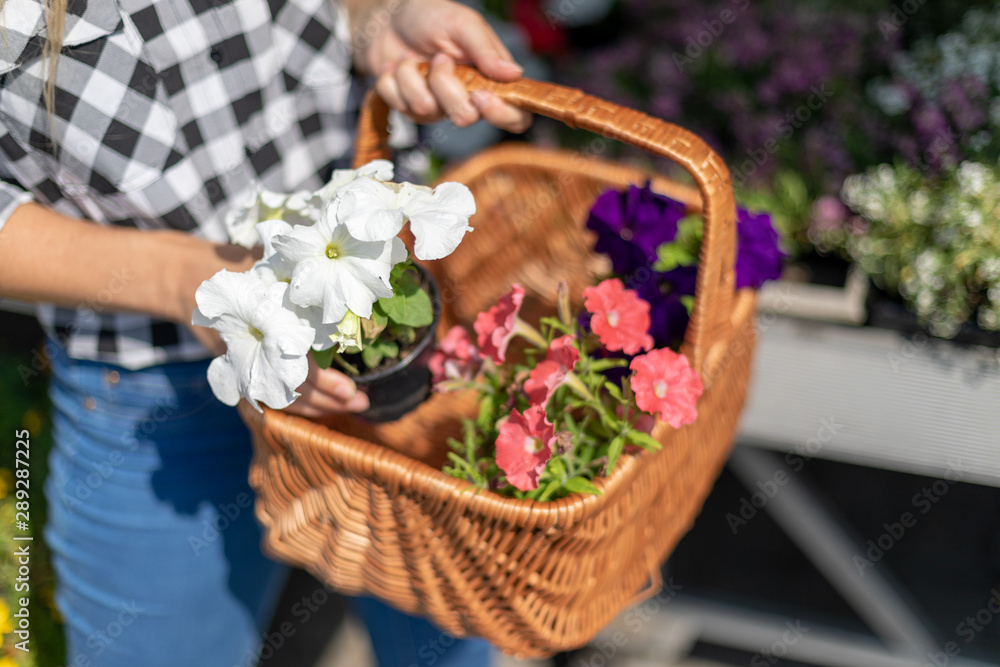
[
  {"x": 530, "y": 333},
  {"x": 346, "y": 366}
]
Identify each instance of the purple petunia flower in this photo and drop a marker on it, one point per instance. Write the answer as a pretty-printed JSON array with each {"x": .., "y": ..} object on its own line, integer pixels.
[
  {"x": 631, "y": 225},
  {"x": 668, "y": 315},
  {"x": 758, "y": 257}
]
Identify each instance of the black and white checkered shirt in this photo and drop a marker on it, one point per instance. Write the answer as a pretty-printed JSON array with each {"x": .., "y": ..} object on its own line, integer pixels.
[{"x": 167, "y": 112}]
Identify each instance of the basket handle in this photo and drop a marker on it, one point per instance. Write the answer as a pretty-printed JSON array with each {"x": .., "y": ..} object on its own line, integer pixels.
[{"x": 710, "y": 327}]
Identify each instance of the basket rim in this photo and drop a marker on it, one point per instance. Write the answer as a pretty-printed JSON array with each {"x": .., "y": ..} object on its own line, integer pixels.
[{"x": 397, "y": 471}]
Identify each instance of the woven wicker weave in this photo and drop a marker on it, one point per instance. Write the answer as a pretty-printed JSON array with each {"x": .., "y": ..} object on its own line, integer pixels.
[{"x": 365, "y": 507}]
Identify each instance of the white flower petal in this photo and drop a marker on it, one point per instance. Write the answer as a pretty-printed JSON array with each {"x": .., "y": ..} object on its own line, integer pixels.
[
  {"x": 241, "y": 219},
  {"x": 439, "y": 219},
  {"x": 226, "y": 291},
  {"x": 301, "y": 243},
  {"x": 200, "y": 320},
  {"x": 272, "y": 200},
  {"x": 222, "y": 380},
  {"x": 381, "y": 170},
  {"x": 370, "y": 210}
]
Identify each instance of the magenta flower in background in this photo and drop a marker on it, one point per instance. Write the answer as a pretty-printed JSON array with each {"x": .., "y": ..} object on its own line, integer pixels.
[{"x": 631, "y": 225}]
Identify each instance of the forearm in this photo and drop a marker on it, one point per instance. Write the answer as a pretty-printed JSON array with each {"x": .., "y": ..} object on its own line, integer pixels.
[{"x": 48, "y": 257}]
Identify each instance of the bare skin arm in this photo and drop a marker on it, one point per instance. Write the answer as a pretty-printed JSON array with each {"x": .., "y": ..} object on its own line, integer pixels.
[{"x": 48, "y": 257}]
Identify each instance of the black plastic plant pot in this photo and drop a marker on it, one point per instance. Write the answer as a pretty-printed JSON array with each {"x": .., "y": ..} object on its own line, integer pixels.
[{"x": 396, "y": 390}]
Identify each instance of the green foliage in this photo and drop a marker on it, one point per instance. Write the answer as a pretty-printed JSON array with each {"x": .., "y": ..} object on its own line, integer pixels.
[
  {"x": 26, "y": 406},
  {"x": 396, "y": 322},
  {"x": 934, "y": 239},
  {"x": 593, "y": 418}
]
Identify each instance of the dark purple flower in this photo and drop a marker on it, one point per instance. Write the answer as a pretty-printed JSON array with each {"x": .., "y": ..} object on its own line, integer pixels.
[
  {"x": 758, "y": 257},
  {"x": 631, "y": 225},
  {"x": 668, "y": 315}
]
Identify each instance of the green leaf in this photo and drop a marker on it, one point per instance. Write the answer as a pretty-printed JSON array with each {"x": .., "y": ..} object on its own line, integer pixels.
[
  {"x": 581, "y": 485},
  {"x": 413, "y": 310},
  {"x": 671, "y": 255},
  {"x": 613, "y": 390},
  {"x": 605, "y": 364},
  {"x": 687, "y": 301},
  {"x": 550, "y": 488},
  {"x": 558, "y": 468},
  {"x": 323, "y": 358},
  {"x": 644, "y": 440},
  {"x": 388, "y": 348},
  {"x": 371, "y": 356},
  {"x": 409, "y": 305},
  {"x": 614, "y": 451}
]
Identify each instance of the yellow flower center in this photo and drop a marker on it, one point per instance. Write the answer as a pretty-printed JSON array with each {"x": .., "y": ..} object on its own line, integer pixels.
[
  {"x": 333, "y": 251},
  {"x": 613, "y": 318},
  {"x": 533, "y": 445},
  {"x": 660, "y": 389},
  {"x": 256, "y": 333}
]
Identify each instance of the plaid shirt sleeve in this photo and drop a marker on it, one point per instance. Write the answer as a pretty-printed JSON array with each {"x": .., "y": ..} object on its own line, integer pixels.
[
  {"x": 11, "y": 196},
  {"x": 166, "y": 112}
]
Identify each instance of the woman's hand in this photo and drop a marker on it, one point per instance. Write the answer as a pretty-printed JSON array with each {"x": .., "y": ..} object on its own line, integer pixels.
[
  {"x": 391, "y": 36},
  {"x": 326, "y": 391}
]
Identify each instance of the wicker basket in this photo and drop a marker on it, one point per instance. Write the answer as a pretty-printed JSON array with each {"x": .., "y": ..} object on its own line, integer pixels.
[{"x": 366, "y": 508}]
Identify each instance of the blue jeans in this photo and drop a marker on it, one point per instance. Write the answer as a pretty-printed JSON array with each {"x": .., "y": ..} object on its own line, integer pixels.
[{"x": 151, "y": 526}]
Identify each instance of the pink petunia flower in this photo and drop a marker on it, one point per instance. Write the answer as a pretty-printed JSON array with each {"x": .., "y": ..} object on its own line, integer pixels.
[
  {"x": 543, "y": 381},
  {"x": 456, "y": 357},
  {"x": 560, "y": 359},
  {"x": 665, "y": 383},
  {"x": 524, "y": 446},
  {"x": 620, "y": 317},
  {"x": 496, "y": 327},
  {"x": 561, "y": 351}
]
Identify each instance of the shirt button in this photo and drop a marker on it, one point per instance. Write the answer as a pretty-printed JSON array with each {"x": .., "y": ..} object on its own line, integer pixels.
[
  {"x": 113, "y": 377},
  {"x": 90, "y": 403},
  {"x": 216, "y": 55}
]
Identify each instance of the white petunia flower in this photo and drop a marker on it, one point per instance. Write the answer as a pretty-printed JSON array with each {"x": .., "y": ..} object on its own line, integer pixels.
[
  {"x": 273, "y": 268},
  {"x": 348, "y": 333},
  {"x": 373, "y": 210},
  {"x": 266, "y": 344},
  {"x": 259, "y": 205},
  {"x": 336, "y": 271},
  {"x": 242, "y": 218},
  {"x": 439, "y": 219},
  {"x": 302, "y": 208},
  {"x": 381, "y": 170}
]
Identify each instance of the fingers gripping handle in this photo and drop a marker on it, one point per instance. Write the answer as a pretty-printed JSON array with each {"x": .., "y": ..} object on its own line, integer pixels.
[{"x": 710, "y": 324}]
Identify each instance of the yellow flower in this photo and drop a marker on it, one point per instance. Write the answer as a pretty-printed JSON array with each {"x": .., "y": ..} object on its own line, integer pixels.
[
  {"x": 7, "y": 661},
  {"x": 32, "y": 421}
]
